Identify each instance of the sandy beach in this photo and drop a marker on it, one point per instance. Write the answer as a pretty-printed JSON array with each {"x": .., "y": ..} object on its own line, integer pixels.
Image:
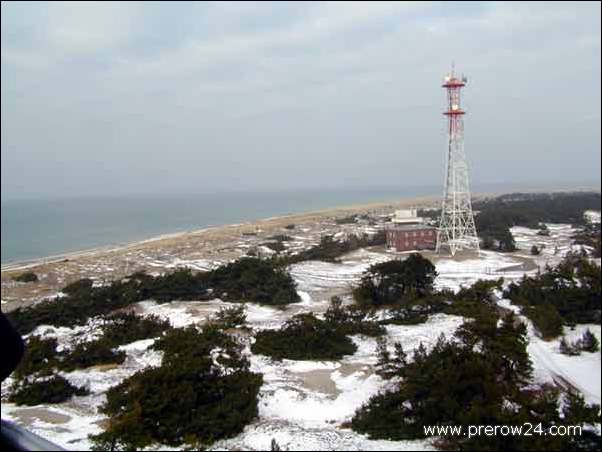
[{"x": 198, "y": 249}]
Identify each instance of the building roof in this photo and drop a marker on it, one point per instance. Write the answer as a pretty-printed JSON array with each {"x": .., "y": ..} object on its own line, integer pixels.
[{"x": 409, "y": 227}]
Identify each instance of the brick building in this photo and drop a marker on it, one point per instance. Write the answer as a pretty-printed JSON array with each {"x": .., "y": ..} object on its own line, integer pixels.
[
  {"x": 408, "y": 232},
  {"x": 411, "y": 237}
]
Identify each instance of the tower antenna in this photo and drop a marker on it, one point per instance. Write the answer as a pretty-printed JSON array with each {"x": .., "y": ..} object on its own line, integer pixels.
[{"x": 457, "y": 228}]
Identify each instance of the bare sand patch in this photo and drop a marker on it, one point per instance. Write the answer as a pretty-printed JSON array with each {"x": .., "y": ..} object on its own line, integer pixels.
[{"x": 27, "y": 416}]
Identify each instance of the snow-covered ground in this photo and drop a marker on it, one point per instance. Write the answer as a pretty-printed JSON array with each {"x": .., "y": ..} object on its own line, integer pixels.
[
  {"x": 550, "y": 366},
  {"x": 304, "y": 405},
  {"x": 489, "y": 265},
  {"x": 581, "y": 372}
]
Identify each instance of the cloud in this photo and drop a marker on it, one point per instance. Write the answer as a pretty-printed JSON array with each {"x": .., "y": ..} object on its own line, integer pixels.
[{"x": 271, "y": 86}]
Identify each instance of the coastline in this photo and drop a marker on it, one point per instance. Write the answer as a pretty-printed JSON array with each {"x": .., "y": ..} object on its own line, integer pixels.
[
  {"x": 29, "y": 263},
  {"x": 20, "y": 265},
  {"x": 199, "y": 249}
]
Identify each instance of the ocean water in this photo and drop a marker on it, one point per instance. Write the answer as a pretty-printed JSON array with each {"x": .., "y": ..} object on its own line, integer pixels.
[
  {"x": 41, "y": 228},
  {"x": 33, "y": 229}
]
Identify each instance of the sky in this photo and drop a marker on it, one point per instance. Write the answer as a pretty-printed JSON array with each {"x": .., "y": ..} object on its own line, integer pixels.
[{"x": 146, "y": 98}]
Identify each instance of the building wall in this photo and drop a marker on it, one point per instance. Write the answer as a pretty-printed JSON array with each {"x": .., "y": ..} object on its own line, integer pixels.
[{"x": 414, "y": 239}]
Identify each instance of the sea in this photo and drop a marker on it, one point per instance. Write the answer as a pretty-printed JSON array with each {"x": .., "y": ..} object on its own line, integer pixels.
[{"x": 42, "y": 228}]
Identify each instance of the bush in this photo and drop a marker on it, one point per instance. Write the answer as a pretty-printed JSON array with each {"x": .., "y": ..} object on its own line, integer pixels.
[
  {"x": 567, "y": 293},
  {"x": 588, "y": 342},
  {"x": 254, "y": 280},
  {"x": 496, "y": 216},
  {"x": 351, "y": 219},
  {"x": 247, "y": 279},
  {"x": 82, "y": 302},
  {"x": 389, "y": 366},
  {"x": 352, "y": 320},
  {"x": 476, "y": 301},
  {"x": 589, "y": 235},
  {"x": 202, "y": 392},
  {"x": 274, "y": 246},
  {"x": 532, "y": 209},
  {"x": 544, "y": 231},
  {"x": 304, "y": 337},
  {"x": 53, "y": 390},
  {"x": 406, "y": 316},
  {"x": 535, "y": 251},
  {"x": 40, "y": 357},
  {"x": 125, "y": 328},
  {"x": 329, "y": 249},
  {"x": 396, "y": 281},
  {"x": 88, "y": 354},
  {"x": 280, "y": 238},
  {"x": 482, "y": 376},
  {"x": 26, "y": 277},
  {"x": 568, "y": 349},
  {"x": 80, "y": 286},
  {"x": 227, "y": 318},
  {"x": 546, "y": 319}
]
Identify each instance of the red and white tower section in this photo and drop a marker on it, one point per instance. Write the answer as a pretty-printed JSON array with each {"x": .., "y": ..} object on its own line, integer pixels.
[{"x": 457, "y": 230}]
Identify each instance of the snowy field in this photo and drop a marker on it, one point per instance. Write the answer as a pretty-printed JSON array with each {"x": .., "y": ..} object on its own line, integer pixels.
[{"x": 304, "y": 405}]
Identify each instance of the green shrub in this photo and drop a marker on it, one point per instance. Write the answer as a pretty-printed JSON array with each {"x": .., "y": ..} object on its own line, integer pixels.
[
  {"x": 40, "y": 357},
  {"x": 26, "y": 277},
  {"x": 532, "y": 209},
  {"x": 81, "y": 286},
  {"x": 274, "y": 246},
  {"x": 481, "y": 377},
  {"x": 304, "y": 337},
  {"x": 390, "y": 365},
  {"x": 280, "y": 238},
  {"x": 396, "y": 281},
  {"x": 53, "y": 390},
  {"x": 350, "y": 320},
  {"x": 568, "y": 293},
  {"x": 546, "y": 319},
  {"x": 234, "y": 317},
  {"x": 351, "y": 219},
  {"x": 125, "y": 328},
  {"x": 568, "y": 349},
  {"x": 330, "y": 250},
  {"x": 404, "y": 316},
  {"x": 247, "y": 279},
  {"x": 88, "y": 354},
  {"x": 254, "y": 280},
  {"x": 588, "y": 342},
  {"x": 544, "y": 231},
  {"x": 202, "y": 392}
]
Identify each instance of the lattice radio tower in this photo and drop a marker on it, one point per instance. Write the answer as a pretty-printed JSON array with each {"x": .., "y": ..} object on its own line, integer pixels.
[{"x": 457, "y": 230}]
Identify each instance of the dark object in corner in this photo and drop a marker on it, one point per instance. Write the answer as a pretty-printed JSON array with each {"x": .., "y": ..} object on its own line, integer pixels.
[
  {"x": 13, "y": 437},
  {"x": 12, "y": 347}
]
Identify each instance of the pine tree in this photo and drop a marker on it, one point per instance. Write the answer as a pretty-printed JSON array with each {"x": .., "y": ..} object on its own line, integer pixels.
[
  {"x": 589, "y": 342},
  {"x": 566, "y": 348}
]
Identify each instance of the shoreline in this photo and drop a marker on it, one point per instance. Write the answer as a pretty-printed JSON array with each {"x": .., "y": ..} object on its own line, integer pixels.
[
  {"x": 199, "y": 249},
  {"x": 20, "y": 265}
]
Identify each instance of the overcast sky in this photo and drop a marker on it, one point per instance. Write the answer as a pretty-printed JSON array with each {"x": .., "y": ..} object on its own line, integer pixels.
[{"x": 124, "y": 98}]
